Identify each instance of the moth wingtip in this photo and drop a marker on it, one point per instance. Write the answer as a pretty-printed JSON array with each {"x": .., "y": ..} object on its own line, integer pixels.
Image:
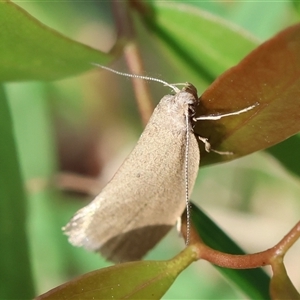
[{"x": 76, "y": 228}]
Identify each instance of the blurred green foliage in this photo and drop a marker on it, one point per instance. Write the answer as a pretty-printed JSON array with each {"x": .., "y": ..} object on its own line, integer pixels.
[{"x": 49, "y": 118}]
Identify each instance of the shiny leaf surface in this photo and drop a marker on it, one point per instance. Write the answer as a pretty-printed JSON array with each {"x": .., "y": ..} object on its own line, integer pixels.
[
  {"x": 30, "y": 50},
  {"x": 134, "y": 280},
  {"x": 197, "y": 41},
  {"x": 269, "y": 77}
]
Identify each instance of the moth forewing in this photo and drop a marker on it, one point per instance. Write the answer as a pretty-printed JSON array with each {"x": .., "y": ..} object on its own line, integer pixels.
[{"x": 147, "y": 194}]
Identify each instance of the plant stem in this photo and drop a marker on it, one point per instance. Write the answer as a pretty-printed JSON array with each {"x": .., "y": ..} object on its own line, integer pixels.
[
  {"x": 141, "y": 88},
  {"x": 133, "y": 59},
  {"x": 287, "y": 242},
  {"x": 247, "y": 261}
]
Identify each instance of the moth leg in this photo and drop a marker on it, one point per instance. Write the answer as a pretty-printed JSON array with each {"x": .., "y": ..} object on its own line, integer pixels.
[
  {"x": 205, "y": 141},
  {"x": 208, "y": 148},
  {"x": 178, "y": 225}
]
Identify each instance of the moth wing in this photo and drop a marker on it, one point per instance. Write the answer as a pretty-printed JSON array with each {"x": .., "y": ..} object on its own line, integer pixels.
[{"x": 145, "y": 197}]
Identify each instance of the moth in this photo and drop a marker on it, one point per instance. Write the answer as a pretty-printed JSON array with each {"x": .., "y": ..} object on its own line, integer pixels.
[
  {"x": 144, "y": 199},
  {"x": 151, "y": 189}
]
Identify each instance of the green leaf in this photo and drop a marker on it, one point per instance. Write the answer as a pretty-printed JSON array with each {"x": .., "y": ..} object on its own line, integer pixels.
[
  {"x": 197, "y": 41},
  {"x": 134, "y": 280},
  {"x": 296, "y": 4},
  {"x": 15, "y": 268},
  {"x": 253, "y": 282},
  {"x": 268, "y": 76},
  {"x": 281, "y": 286},
  {"x": 286, "y": 152},
  {"x": 30, "y": 50}
]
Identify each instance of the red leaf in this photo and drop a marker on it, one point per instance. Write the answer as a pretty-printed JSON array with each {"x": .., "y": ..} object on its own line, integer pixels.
[{"x": 269, "y": 76}]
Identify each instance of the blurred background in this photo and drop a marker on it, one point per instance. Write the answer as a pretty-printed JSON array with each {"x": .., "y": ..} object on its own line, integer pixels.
[{"x": 73, "y": 134}]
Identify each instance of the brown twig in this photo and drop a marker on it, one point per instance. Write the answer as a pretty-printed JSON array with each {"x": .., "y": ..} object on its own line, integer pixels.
[
  {"x": 141, "y": 88},
  {"x": 246, "y": 261},
  {"x": 255, "y": 260},
  {"x": 76, "y": 183},
  {"x": 133, "y": 58},
  {"x": 287, "y": 242}
]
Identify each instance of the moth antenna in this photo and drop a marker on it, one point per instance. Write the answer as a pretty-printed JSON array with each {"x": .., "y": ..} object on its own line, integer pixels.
[
  {"x": 173, "y": 87},
  {"x": 188, "y": 213}
]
